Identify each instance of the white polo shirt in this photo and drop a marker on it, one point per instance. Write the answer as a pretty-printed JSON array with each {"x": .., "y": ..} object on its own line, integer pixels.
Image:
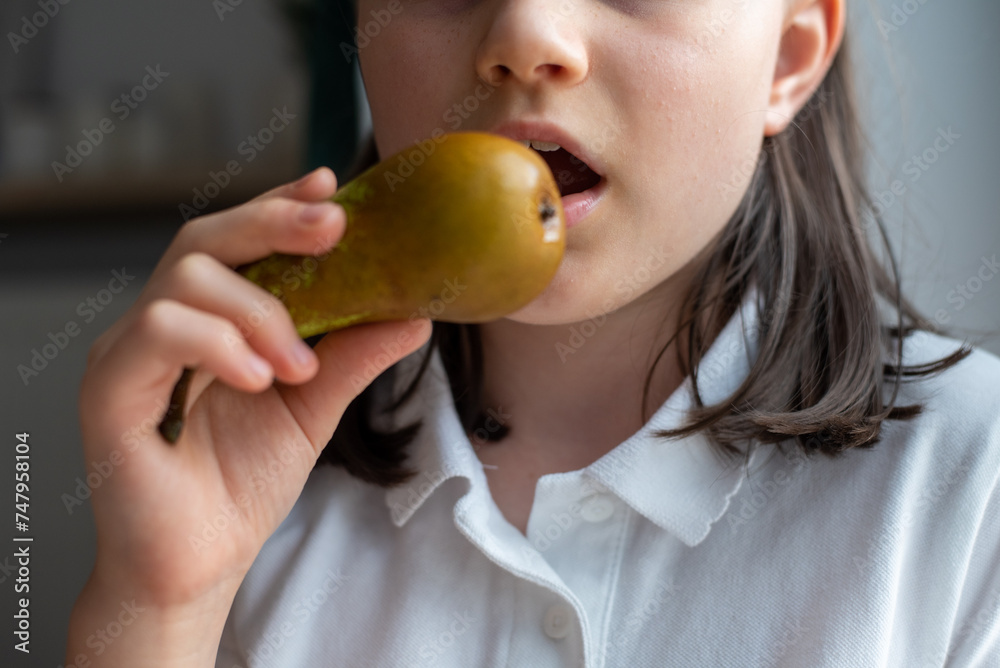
[{"x": 656, "y": 554}]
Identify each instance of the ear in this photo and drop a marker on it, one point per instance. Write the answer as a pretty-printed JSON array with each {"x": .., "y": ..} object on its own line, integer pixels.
[{"x": 811, "y": 35}]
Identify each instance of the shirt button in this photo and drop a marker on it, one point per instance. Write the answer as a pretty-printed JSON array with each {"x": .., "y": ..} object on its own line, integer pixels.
[
  {"x": 597, "y": 508},
  {"x": 557, "y": 621}
]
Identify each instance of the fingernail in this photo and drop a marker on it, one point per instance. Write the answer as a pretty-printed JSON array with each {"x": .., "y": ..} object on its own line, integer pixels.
[
  {"x": 314, "y": 213},
  {"x": 302, "y": 354}
]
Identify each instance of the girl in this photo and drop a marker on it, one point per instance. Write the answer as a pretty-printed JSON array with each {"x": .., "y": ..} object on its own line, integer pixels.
[{"x": 719, "y": 438}]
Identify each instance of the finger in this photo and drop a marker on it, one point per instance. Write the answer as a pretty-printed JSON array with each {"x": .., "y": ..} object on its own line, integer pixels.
[
  {"x": 350, "y": 360},
  {"x": 319, "y": 184},
  {"x": 130, "y": 381},
  {"x": 241, "y": 235},
  {"x": 257, "y": 229},
  {"x": 204, "y": 283}
]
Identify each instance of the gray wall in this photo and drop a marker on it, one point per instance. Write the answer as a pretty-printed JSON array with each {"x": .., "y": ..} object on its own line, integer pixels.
[
  {"x": 225, "y": 78},
  {"x": 221, "y": 78},
  {"x": 943, "y": 74},
  {"x": 925, "y": 74}
]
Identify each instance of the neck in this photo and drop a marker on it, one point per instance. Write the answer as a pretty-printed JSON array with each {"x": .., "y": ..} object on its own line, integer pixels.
[{"x": 574, "y": 392}]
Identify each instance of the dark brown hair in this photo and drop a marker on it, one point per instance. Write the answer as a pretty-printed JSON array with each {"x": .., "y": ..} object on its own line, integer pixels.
[{"x": 801, "y": 236}]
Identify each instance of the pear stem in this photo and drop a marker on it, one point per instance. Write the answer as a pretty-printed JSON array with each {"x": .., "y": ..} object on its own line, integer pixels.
[{"x": 172, "y": 424}]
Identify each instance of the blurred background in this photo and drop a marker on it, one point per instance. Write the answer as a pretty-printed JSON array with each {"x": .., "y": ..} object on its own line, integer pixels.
[{"x": 119, "y": 120}]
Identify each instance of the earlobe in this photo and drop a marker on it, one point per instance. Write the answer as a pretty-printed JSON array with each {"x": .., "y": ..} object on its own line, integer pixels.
[{"x": 812, "y": 34}]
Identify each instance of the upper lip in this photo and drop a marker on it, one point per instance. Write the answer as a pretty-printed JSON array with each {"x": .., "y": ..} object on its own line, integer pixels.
[{"x": 550, "y": 132}]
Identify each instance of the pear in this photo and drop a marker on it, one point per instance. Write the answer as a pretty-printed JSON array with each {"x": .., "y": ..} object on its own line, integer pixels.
[{"x": 464, "y": 227}]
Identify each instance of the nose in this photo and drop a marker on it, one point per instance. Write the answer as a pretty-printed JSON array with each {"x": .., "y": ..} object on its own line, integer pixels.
[{"x": 532, "y": 41}]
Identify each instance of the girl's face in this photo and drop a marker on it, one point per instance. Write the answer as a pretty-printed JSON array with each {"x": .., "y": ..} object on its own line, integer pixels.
[{"x": 664, "y": 100}]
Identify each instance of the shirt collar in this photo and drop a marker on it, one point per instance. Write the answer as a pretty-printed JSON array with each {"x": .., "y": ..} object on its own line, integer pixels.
[{"x": 681, "y": 485}]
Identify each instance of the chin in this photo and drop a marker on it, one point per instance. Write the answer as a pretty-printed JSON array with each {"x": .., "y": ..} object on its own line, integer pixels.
[{"x": 561, "y": 303}]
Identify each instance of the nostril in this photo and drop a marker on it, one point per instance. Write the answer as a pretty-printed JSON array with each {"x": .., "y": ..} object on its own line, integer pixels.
[
  {"x": 495, "y": 75},
  {"x": 550, "y": 69}
]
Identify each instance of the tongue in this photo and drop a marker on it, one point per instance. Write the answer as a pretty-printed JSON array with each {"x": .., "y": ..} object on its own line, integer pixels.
[{"x": 572, "y": 174}]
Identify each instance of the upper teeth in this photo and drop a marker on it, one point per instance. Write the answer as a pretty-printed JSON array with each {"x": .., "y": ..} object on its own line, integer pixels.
[{"x": 540, "y": 145}]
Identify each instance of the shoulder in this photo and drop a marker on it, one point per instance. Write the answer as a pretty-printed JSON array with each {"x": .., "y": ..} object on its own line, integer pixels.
[
  {"x": 963, "y": 399},
  {"x": 956, "y": 505},
  {"x": 946, "y": 459}
]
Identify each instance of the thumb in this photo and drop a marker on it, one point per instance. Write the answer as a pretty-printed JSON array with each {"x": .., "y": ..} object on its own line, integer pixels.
[{"x": 349, "y": 360}]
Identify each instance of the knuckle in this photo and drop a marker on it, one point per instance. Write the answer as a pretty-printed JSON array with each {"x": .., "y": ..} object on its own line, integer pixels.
[
  {"x": 194, "y": 269},
  {"x": 156, "y": 317},
  {"x": 228, "y": 338},
  {"x": 188, "y": 233},
  {"x": 266, "y": 316}
]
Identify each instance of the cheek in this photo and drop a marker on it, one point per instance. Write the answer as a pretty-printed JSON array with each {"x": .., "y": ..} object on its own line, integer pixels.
[
  {"x": 698, "y": 120},
  {"x": 404, "y": 69}
]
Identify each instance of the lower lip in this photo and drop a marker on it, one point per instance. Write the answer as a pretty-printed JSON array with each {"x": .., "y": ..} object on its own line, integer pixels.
[{"x": 578, "y": 205}]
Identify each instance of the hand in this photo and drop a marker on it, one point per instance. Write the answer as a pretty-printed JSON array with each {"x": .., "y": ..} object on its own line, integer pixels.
[{"x": 176, "y": 523}]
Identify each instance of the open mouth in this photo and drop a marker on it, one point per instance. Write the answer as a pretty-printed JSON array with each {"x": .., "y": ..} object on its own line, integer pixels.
[{"x": 572, "y": 174}]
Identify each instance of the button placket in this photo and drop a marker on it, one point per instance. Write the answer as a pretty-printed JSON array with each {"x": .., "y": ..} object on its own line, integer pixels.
[{"x": 573, "y": 529}]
